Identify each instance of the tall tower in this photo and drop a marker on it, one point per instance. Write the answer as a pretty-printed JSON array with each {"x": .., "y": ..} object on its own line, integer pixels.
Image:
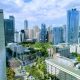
[
  {"x": 72, "y": 26},
  {"x": 9, "y": 29},
  {"x": 57, "y": 35},
  {"x": 43, "y": 33},
  {"x": 26, "y": 29},
  {"x": 2, "y": 49},
  {"x": 25, "y": 24}
]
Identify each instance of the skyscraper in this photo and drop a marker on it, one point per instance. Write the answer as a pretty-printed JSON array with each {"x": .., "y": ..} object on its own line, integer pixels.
[
  {"x": 43, "y": 33},
  {"x": 72, "y": 26},
  {"x": 36, "y": 31},
  {"x": 2, "y": 49},
  {"x": 9, "y": 29},
  {"x": 31, "y": 33},
  {"x": 57, "y": 35},
  {"x": 26, "y": 29},
  {"x": 50, "y": 35},
  {"x": 64, "y": 33},
  {"x": 25, "y": 24},
  {"x": 22, "y": 35},
  {"x": 16, "y": 37}
]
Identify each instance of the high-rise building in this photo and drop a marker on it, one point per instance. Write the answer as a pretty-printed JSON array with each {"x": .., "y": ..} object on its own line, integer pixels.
[
  {"x": 22, "y": 36},
  {"x": 50, "y": 35},
  {"x": 64, "y": 33},
  {"x": 43, "y": 33},
  {"x": 72, "y": 26},
  {"x": 9, "y": 29},
  {"x": 16, "y": 37},
  {"x": 36, "y": 31},
  {"x": 57, "y": 35},
  {"x": 26, "y": 29},
  {"x": 25, "y": 24},
  {"x": 2, "y": 48},
  {"x": 31, "y": 33}
]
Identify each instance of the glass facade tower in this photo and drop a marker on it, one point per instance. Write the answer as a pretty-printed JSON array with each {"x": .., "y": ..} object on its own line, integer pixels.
[
  {"x": 57, "y": 35},
  {"x": 43, "y": 33},
  {"x": 72, "y": 26}
]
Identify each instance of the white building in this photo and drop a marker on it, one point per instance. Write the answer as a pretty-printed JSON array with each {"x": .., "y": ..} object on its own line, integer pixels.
[
  {"x": 63, "y": 68},
  {"x": 17, "y": 37},
  {"x": 2, "y": 49},
  {"x": 75, "y": 48}
]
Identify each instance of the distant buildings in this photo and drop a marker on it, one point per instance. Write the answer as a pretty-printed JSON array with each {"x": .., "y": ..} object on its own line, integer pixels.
[
  {"x": 26, "y": 29},
  {"x": 72, "y": 26},
  {"x": 2, "y": 48},
  {"x": 22, "y": 36},
  {"x": 36, "y": 31},
  {"x": 17, "y": 37},
  {"x": 64, "y": 33},
  {"x": 50, "y": 34},
  {"x": 57, "y": 35},
  {"x": 43, "y": 33},
  {"x": 9, "y": 29},
  {"x": 31, "y": 33}
]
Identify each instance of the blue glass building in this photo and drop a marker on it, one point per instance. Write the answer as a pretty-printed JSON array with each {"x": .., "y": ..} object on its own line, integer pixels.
[
  {"x": 72, "y": 26},
  {"x": 57, "y": 35},
  {"x": 43, "y": 33},
  {"x": 9, "y": 29}
]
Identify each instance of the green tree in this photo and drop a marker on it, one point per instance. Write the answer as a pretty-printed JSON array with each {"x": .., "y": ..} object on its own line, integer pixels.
[
  {"x": 74, "y": 54},
  {"x": 78, "y": 58},
  {"x": 10, "y": 74}
]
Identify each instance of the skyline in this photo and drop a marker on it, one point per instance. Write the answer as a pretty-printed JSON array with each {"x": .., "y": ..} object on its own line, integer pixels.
[{"x": 52, "y": 12}]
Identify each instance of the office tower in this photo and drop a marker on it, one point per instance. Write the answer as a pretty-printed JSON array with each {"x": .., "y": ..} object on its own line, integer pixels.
[
  {"x": 43, "y": 33},
  {"x": 2, "y": 48},
  {"x": 9, "y": 29},
  {"x": 79, "y": 36},
  {"x": 22, "y": 36},
  {"x": 16, "y": 37},
  {"x": 50, "y": 35},
  {"x": 57, "y": 35},
  {"x": 26, "y": 29},
  {"x": 31, "y": 33},
  {"x": 64, "y": 33},
  {"x": 72, "y": 26},
  {"x": 36, "y": 31},
  {"x": 38, "y": 36},
  {"x": 25, "y": 24}
]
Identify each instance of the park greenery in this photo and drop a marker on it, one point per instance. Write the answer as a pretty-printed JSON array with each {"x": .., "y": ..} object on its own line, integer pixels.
[
  {"x": 38, "y": 47},
  {"x": 75, "y": 54}
]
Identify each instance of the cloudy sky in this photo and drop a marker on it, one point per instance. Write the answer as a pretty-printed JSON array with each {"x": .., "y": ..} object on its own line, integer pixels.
[{"x": 50, "y": 12}]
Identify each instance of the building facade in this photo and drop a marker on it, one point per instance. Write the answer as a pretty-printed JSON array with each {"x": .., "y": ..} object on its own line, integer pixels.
[
  {"x": 57, "y": 35},
  {"x": 22, "y": 36},
  {"x": 50, "y": 35},
  {"x": 2, "y": 49},
  {"x": 26, "y": 29},
  {"x": 63, "y": 68},
  {"x": 9, "y": 29},
  {"x": 43, "y": 33},
  {"x": 72, "y": 26}
]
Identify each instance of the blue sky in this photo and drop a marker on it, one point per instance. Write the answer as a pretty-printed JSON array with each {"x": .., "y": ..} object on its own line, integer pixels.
[{"x": 50, "y": 12}]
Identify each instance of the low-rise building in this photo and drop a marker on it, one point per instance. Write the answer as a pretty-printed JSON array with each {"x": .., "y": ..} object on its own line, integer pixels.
[
  {"x": 63, "y": 68},
  {"x": 75, "y": 48}
]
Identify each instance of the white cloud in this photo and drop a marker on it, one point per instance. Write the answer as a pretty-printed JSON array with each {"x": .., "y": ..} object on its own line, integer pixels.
[{"x": 39, "y": 10}]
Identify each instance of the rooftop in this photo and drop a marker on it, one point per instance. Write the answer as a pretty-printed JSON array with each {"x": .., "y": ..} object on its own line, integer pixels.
[{"x": 62, "y": 65}]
